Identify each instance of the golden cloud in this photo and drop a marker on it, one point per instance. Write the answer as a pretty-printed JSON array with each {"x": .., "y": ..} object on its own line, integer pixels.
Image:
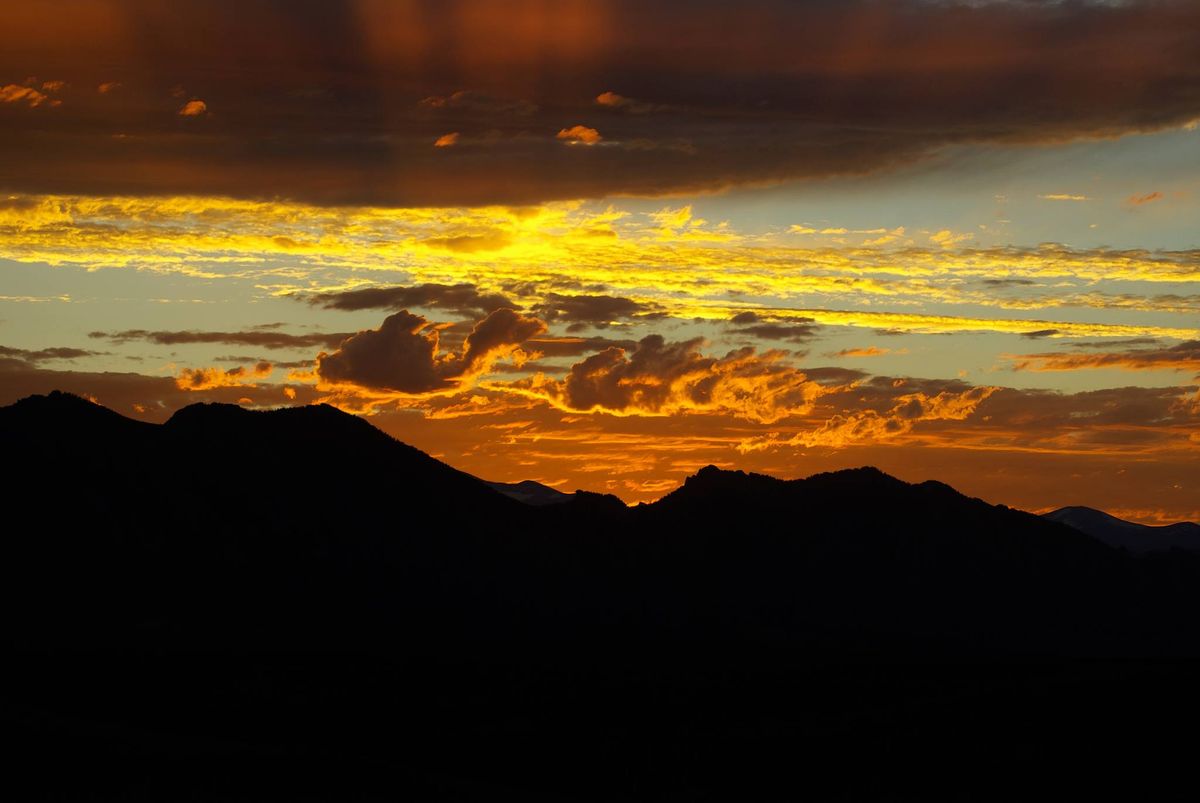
[
  {"x": 194, "y": 379},
  {"x": 579, "y": 135},
  {"x": 193, "y": 108},
  {"x": 659, "y": 378},
  {"x": 15, "y": 93}
]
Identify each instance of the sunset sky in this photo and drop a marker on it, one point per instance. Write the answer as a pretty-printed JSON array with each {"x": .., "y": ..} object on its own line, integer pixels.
[{"x": 601, "y": 244}]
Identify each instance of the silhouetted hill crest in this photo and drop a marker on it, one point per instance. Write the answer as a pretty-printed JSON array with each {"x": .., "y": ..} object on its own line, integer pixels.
[{"x": 1119, "y": 533}]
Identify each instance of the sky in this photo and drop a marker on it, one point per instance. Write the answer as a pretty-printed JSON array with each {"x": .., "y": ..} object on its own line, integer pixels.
[{"x": 602, "y": 244}]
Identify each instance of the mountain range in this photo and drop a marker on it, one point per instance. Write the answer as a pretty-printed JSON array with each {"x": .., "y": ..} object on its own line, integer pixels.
[{"x": 247, "y": 587}]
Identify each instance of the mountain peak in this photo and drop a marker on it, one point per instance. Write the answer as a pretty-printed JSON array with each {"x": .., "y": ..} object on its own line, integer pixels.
[
  {"x": 59, "y": 401},
  {"x": 59, "y": 414}
]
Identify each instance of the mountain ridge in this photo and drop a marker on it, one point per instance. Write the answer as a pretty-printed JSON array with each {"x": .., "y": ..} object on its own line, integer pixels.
[{"x": 297, "y": 583}]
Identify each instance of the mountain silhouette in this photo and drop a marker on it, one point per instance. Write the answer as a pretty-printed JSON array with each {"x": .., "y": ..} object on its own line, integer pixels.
[
  {"x": 1127, "y": 534},
  {"x": 290, "y": 604}
]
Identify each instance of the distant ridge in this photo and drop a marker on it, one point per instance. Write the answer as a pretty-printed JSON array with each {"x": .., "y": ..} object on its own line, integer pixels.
[
  {"x": 1129, "y": 535},
  {"x": 531, "y": 492}
]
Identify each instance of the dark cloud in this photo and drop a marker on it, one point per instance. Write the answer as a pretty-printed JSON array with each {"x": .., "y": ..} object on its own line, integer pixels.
[
  {"x": 41, "y": 355},
  {"x": 617, "y": 380},
  {"x": 404, "y": 353},
  {"x": 575, "y": 346},
  {"x": 239, "y": 358},
  {"x": 1047, "y": 413},
  {"x": 797, "y": 332},
  {"x": 796, "y": 329},
  {"x": 468, "y": 103},
  {"x": 1039, "y": 334},
  {"x": 1008, "y": 282},
  {"x": 341, "y": 103},
  {"x": 1111, "y": 344},
  {"x": 462, "y": 298},
  {"x": 260, "y": 337},
  {"x": 1181, "y": 357},
  {"x": 832, "y": 375},
  {"x": 501, "y": 329},
  {"x": 596, "y": 310}
]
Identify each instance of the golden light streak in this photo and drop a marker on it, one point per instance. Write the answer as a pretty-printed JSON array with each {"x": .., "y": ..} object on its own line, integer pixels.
[{"x": 688, "y": 266}]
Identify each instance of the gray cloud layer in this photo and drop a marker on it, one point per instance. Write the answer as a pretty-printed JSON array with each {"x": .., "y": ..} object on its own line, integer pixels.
[{"x": 342, "y": 102}]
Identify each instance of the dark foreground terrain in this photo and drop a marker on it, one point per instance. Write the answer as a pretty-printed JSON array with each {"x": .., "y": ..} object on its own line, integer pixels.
[{"x": 291, "y": 605}]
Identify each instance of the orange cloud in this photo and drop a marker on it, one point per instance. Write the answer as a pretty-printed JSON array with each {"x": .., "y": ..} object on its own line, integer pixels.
[
  {"x": 844, "y": 429},
  {"x": 193, "y": 108},
  {"x": 611, "y": 99},
  {"x": 1139, "y": 200},
  {"x": 659, "y": 378},
  {"x": 108, "y": 86},
  {"x": 14, "y": 93},
  {"x": 446, "y": 140},
  {"x": 579, "y": 135},
  {"x": 210, "y": 378}
]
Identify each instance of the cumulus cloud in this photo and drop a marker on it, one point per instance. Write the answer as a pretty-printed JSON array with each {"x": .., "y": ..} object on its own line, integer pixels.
[
  {"x": 663, "y": 378},
  {"x": 404, "y": 353},
  {"x": 579, "y": 135}
]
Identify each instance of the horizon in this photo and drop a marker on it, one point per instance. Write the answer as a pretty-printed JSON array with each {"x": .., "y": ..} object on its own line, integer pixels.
[
  {"x": 627, "y": 503},
  {"x": 599, "y": 245}
]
